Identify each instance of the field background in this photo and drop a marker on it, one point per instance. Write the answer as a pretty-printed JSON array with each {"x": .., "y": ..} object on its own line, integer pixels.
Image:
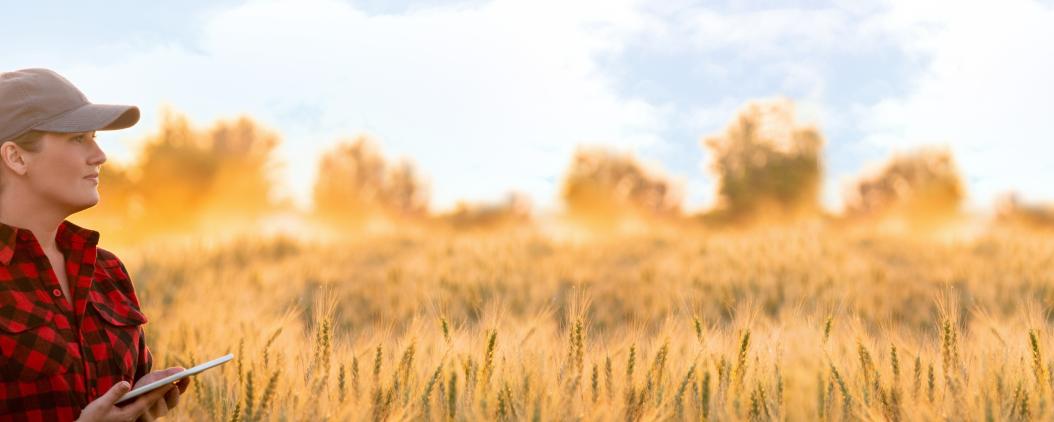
[
  {"x": 618, "y": 306},
  {"x": 590, "y": 210}
]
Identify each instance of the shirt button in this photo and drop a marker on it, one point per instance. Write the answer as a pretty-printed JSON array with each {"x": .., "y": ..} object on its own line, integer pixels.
[{"x": 56, "y": 292}]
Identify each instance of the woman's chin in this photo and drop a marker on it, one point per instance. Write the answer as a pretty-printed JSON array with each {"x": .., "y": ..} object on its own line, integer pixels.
[{"x": 85, "y": 203}]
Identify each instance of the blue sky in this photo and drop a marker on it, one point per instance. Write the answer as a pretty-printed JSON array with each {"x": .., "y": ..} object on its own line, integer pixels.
[{"x": 486, "y": 97}]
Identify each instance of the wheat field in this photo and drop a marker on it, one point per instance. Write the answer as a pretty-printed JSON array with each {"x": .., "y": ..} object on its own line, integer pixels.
[
  {"x": 617, "y": 304},
  {"x": 802, "y": 323}
]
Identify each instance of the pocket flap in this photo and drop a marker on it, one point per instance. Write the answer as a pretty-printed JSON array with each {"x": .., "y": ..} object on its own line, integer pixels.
[
  {"x": 119, "y": 314},
  {"x": 16, "y": 320}
]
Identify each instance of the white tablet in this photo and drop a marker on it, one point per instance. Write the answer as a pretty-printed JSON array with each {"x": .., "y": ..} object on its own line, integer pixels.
[{"x": 174, "y": 377}]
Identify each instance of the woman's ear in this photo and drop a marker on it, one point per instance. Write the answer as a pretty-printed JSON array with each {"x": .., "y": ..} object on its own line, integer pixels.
[{"x": 13, "y": 157}]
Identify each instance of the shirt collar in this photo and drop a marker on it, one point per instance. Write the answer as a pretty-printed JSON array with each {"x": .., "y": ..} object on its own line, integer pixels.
[
  {"x": 69, "y": 236},
  {"x": 8, "y": 236}
]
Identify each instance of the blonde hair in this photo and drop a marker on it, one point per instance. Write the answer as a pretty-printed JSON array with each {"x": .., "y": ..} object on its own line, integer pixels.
[{"x": 29, "y": 141}]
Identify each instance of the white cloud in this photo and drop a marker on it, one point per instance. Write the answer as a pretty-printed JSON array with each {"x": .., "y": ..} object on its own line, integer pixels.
[
  {"x": 760, "y": 54},
  {"x": 987, "y": 92},
  {"x": 495, "y": 97},
  {"x": 484, "y": 99},
  {"x": 766, "y": 34},
  {"x": 983, "y": 87},
  {"x": 773, "y": 32}
]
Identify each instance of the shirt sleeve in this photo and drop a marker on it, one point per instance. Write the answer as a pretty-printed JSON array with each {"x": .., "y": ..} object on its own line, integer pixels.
[{"x": 146, "y": 359}]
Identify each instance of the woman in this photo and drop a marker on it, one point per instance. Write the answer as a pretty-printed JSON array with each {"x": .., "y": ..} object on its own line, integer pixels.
[{"x": 71, "y": 336}]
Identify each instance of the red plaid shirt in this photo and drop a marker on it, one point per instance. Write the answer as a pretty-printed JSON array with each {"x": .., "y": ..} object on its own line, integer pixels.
[{"x": 56, "y": 356}]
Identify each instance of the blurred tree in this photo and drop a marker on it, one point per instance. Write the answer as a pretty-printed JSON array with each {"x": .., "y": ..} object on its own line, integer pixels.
[
  {"x": 187, "y": 180},
  {"x": 355, "y": 184},
  {"x": 923, "y": 185},
  {"x": 515, "y": 209},
  {"x": 1010, "y": 208},
  {"x": 242, "y": 183},
  {"x": 766, "y": 165},
  {"x": 602, "y": 187}
]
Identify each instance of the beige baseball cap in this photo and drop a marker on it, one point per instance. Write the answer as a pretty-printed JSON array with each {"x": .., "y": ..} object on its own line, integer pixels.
[{"x": 40, "y": 99}]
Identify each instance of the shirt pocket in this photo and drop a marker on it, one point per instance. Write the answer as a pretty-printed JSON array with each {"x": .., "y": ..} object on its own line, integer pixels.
[
  {"x": 30, "y": 346},
  {"x": 121, "y": 325}
]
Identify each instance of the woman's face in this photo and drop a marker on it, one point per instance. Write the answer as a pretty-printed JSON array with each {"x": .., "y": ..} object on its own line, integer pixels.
[{"x": 65, "y": 170}]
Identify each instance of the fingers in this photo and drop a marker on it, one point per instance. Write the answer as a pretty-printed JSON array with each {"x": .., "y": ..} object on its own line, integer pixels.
[
  {"x": 156, "y": 375},
  {"x": 182, "y": 384},
  {"x": 140, "y": 405},
  {"x": 169, "y": 371},
  {"x": 172, "y": 398},
  {"x": 115, "y": 392},
  {"x": 157, "y": 402},
  {"x": 155, "y": 412}
]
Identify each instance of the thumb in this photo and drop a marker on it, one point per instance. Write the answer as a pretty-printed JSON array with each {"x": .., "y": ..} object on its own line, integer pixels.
[
  {"x": 174, "y": 370},
  {"x": 116, "y": 392}
]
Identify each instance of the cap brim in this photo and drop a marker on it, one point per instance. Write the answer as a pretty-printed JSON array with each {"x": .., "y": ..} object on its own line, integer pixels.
[{"x": 91, "y": 117}]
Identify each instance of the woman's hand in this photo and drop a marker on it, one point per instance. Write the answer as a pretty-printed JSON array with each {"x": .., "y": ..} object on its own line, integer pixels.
[{"x": 147, "y": 407}]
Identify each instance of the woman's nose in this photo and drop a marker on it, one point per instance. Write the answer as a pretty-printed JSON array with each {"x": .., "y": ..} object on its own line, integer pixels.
[{"x": 98, "y": 156}]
